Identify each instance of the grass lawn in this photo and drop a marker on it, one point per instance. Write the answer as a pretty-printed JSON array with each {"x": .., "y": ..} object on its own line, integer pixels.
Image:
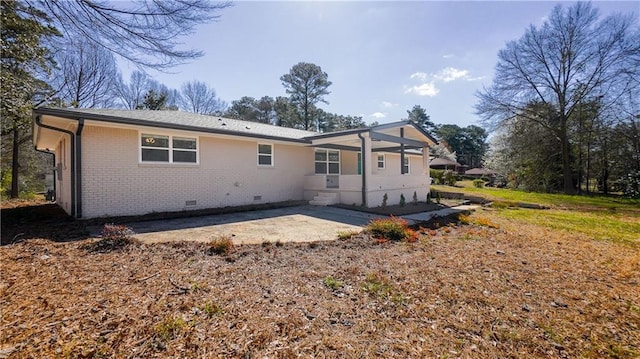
[
  {"x": 503, "y": 283},
  {"x": 601, "y": 217}
]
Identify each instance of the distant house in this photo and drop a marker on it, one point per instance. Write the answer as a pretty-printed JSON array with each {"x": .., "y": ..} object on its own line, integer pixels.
[
  {"x": 480, "y": 172},
  {"x": 131, "y": 162},
  {"x": 444, "y": 164}
]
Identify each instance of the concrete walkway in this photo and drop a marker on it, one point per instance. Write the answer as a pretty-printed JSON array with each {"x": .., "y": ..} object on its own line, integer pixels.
[{"x": 289, "y": 224}]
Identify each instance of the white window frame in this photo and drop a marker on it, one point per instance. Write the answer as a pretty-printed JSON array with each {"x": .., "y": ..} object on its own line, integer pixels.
[
  {"x": 327, "y": 162},
  {"x": 383, "y": 162},
  {"x": 271, "y": 155},
  {"x": 408, "y": 165},
  {"x": 171, "y": 149}
]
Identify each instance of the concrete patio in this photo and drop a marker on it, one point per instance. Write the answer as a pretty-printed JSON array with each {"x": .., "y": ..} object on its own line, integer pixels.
[{"x": 289, "y": 224}]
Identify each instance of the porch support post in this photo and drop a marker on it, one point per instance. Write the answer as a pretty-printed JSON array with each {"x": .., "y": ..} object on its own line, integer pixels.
[
  {"x": 365, "y": 150},
  {"x": 425, "y": 160},
  {"x": 401, "y": 151}
]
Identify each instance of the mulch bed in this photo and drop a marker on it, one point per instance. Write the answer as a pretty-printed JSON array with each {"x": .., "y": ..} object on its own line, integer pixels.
[{"x": 466, "y": 291}]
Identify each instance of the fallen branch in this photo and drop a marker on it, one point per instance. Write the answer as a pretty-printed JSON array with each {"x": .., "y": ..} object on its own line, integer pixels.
[
  {"x": 180, "y": 289},
  {"x": 148, "y": 277}
]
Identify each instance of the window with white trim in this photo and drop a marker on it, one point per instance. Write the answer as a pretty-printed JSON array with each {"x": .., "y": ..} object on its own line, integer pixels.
[
  {"x": 405, "y": 166},
  {"x": 327, "y": 161},
  {"x": 381, "y": 161},
  {"x": 265, "y": 154},
  {"x": 168, "y": 149}
]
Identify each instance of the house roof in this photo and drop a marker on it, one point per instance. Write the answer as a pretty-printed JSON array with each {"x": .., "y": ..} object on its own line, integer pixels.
[
  {"x": 181, "y": 121},
  {"x": 480, "y": 171},
  {"x": 443, "y": 162},
  {"x": 386, "y": 137}
]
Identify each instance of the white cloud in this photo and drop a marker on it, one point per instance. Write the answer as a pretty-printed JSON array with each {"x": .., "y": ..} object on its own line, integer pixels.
[
  {"x": 448, "y": 56},
  {"x": 419, "y": 75},
  {"x": 387, "y": 104},
  {"x": 449, "y": 74},
  {"x": 378, "y": 115},
  {"x": 427, "y": 89}
]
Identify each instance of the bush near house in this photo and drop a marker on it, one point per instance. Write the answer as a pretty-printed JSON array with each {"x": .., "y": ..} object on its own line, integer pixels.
[{"x": 393, "y": 229}]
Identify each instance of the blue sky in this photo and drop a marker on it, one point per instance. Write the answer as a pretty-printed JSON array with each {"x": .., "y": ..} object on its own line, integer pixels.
[{"x": 382, "y": 57}]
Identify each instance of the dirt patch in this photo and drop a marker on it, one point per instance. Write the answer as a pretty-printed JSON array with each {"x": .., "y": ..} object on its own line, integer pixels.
[{"x": 460, "y": 291}]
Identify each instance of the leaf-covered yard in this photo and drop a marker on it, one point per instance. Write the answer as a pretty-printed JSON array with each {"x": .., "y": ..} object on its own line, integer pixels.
[{"x": 519, "y": 290}]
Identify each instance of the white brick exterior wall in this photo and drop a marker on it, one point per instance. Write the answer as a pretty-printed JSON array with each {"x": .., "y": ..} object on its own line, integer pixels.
[{"x": 114, "y": 183}]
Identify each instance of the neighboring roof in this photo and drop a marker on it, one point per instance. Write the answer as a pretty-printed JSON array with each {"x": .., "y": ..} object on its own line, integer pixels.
[
  {"x": 480, "y": 171},
  {"x": 180, "y": 120},
  {"x": 443, "y": 162}
]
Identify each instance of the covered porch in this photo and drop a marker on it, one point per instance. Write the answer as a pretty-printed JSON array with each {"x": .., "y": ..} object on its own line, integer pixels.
[{"x": 360, "y": 166}]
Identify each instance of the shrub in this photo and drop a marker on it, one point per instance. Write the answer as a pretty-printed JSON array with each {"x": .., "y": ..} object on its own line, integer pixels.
[
  {"x": 221, "y": 245},
  {"x": 393, "y": 228},
  {"x": 478, "y": 183},
  {"x": 403, "y": 201},
  {"x": 436, "y": 175},
  {"x": 112, "y": 237},
  {"x": 415, "y": 198},
  {"x": 630, "y": 185},
  {"x": 429, "y": 197},
  {"x": 385, "y": 198},
  {"x": 449, "y": 177}
]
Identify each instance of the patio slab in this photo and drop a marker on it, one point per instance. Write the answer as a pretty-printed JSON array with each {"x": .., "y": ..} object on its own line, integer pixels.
[{"x": 290, "y": 224}]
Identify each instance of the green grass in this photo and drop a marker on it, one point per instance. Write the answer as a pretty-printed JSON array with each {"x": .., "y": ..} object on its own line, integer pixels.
[
  {"x": 616, "y": 228},
  {"x": 554, "y": 200},
  {"x": 599, "y": 217}
]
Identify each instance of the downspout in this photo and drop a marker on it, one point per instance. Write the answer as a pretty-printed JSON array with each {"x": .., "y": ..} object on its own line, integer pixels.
[
  {"x": 53, "y": 155},
  {"x": 401, "y": 151},
  {"x": 364, "y": 172},
  {"x": 73, "y": 162},
  {"x": 79, "y": 167}
]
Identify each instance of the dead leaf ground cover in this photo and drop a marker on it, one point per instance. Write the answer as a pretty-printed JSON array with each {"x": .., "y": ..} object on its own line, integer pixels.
[{"x": 469, "y": 291}]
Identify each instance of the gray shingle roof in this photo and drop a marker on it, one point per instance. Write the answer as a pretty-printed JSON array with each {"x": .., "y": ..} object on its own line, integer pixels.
[{"x": 180, "y": 120}]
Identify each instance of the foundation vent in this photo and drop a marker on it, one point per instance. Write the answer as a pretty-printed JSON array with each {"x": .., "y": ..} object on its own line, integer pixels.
[
  {"x": 257, "y": 198},
  {"x": 190, "y": 203}
]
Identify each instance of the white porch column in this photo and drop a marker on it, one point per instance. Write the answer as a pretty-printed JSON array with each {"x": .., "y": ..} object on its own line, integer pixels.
[
  {"x": 366, "y": 166},
  {"x": 425, "y": 160}
]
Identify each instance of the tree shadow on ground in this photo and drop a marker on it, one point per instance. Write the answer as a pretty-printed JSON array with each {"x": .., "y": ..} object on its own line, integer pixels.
[{"x": 40, "y": 221}]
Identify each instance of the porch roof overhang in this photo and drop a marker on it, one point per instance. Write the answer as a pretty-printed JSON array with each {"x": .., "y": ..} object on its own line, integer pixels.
[{"x": 391, "y": 137}]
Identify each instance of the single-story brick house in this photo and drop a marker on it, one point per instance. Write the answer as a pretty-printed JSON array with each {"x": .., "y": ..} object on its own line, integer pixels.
[{"x": 130, "y": 162}]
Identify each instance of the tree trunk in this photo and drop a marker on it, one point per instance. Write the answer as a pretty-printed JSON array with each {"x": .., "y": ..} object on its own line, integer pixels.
[
  {"x": 567, "y": 174},
  {"x": 15, "y": 165}
]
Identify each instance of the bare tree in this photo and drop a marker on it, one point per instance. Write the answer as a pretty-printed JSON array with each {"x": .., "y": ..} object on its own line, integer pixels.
[
  {"x": 143, "y": 32},
  {"x": 197, "y": 97},
  {"x": 572, "y": 58},
  {"x": 132, "y": 94},
  {"x": 86, "y": 76}
]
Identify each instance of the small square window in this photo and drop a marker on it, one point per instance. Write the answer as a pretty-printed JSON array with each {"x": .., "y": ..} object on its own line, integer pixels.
[{"x": 405, "y": 166}]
